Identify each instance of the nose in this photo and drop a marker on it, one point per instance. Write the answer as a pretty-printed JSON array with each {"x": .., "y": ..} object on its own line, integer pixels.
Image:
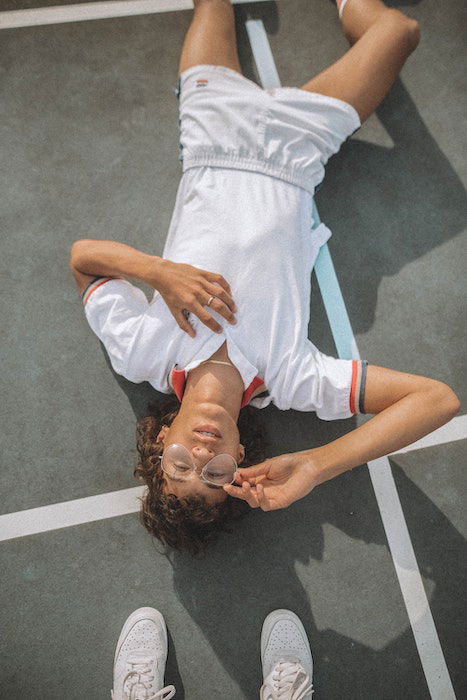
[{"x": 201, "y": 455}]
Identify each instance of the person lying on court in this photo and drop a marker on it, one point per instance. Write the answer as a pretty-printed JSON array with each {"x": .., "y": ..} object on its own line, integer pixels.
[{"x": 227, "y": 327}]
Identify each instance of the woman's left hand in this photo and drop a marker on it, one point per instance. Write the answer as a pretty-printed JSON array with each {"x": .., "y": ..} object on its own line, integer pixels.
[
  {"x": 276, "y": 482},
  {"x": 186, "y": 288}
]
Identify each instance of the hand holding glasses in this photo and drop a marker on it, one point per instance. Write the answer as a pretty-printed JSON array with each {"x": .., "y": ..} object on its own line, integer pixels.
[{"x": 178, "y": 464}]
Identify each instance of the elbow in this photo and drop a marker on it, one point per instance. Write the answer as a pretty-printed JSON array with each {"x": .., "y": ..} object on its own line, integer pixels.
[
  {"x": 406, "y": 28},
  {"x": 78, "y": 253}
]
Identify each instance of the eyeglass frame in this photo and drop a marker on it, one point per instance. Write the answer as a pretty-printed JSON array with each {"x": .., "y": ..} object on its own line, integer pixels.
[{"x": 193, "y": 466}]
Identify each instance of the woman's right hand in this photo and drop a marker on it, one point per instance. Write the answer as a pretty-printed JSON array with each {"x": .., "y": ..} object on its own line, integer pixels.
[
  {"x": 186, "y": 288},
  {"x": 275, "y": 483}
]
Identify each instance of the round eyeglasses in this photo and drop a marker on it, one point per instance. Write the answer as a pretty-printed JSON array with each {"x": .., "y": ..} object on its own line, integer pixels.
[{"x": 177, "y": 463}]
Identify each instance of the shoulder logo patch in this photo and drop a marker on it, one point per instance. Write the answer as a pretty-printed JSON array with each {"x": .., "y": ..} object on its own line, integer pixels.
[{"x": 201, "y": 82}]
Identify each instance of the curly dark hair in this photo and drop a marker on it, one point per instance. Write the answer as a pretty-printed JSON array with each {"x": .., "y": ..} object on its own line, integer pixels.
[{"x": 188, "y": 524}]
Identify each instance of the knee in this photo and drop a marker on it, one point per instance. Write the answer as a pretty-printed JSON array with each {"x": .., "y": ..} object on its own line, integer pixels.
[
  {"x": 406, "y": 28},
  {"x": 447, "y": 400}
]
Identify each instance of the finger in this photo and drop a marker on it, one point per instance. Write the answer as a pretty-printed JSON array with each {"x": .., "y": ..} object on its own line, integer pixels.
[
  {"x": 240, "y": 478},
  {"x": 207, "y": 319},
  {"x": 222, "y": 309},
  {"x": 263, "y": 501},
  {"x": 250, "y": 495},
  {"x": 252, "y": 472},
  {"x": 220, "y": 293},
  {"x": 252, "y": 480},
  {"x": 184, "y": 324},
  {"x": 234, "y": 491},
  {"x": 219, "y": 280}
]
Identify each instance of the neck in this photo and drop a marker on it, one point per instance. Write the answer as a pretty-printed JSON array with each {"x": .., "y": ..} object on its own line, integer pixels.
[{"x": 221, "y": 385}]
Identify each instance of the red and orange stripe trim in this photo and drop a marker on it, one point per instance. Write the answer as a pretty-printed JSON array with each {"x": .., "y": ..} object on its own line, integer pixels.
[
  {"x": 357, "y": 388},
  {"x": 95, "y": 284},
  {"x": 177, "y": 380},
  {"x": 256, "y": 388}
]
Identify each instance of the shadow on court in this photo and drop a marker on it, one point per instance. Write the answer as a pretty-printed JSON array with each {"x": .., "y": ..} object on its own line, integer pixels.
[
  {"x": 398, "y": 205},
  {"x": 326, "y": 558},
  {"x": 282, "y": 559}
]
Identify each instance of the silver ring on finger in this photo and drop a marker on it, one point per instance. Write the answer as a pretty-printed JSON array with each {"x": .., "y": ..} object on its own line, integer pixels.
[{"x": 210, "y": 301}]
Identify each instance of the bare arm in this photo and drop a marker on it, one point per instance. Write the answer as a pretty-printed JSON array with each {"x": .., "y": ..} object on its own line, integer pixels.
[
  {"x": 407, "y": 407},
  {"x": 90, "y": 259},
  {"x": 183, "y": 287}
]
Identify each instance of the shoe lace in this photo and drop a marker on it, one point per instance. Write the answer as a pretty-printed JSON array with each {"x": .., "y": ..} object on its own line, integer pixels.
[
  {"x": 287, "y": 681},
  {"x": 138, "y": 682}
]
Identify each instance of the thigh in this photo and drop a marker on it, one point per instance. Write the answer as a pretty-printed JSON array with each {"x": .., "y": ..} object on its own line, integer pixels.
[
  {"x": 364, "y": 75},
  {"x": 211, "y": 38}
]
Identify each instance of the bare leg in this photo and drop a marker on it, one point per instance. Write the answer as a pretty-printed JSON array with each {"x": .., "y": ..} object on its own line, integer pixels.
[
  {"x": 382, "y": 41},
  {"x": 211, "y": 36}
]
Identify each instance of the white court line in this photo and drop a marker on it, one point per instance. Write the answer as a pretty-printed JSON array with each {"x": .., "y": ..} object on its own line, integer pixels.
[
  {"x": 405, "y": 562},
  {"x": 410, "y": 580},
  {"x": 69, "y": 513},
  {"x": 456, "y": 429},
  {"x": 93, "y": 10},
  {"x": 110, "y": 505}
]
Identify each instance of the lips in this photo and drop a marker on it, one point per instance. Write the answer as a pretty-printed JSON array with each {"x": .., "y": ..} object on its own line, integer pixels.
[
  {"x": 206, "y": 428},
  {"x": 207, "y": 439}
]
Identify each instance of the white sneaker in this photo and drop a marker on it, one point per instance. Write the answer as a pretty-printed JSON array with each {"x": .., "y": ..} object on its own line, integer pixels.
[
  {"x": 140, "y": 657},
  {"x": 286, "y": 658}
]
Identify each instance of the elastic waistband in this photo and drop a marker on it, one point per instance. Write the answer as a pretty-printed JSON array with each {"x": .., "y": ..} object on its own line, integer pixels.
[{"x": 253, "y": 165}]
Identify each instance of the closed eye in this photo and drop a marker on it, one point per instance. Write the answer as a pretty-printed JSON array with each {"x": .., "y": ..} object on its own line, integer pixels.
[{"x": 182, "y": 468}]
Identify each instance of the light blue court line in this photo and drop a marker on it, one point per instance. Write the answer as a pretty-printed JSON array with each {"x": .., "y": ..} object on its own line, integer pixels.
[
  {"x": 333, "y": 299},
  {"x": 395, "y": 526}
]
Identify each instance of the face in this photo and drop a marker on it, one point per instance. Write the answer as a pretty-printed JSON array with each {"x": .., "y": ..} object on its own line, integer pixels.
[{"x": 189, "y": 429}]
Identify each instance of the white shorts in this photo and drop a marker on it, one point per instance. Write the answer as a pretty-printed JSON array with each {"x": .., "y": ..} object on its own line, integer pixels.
[{"x": 227, "y": 120}]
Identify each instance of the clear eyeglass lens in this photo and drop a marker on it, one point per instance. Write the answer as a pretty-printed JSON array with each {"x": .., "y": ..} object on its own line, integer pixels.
[
  {"x": 220, "y": 469},
  {"x": 176, "y": 461}
]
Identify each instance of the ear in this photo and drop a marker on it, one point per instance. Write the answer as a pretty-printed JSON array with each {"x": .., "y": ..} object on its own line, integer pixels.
[
  {"x": 162, "y": 433},
  {"x": 241, "y": 453}
]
